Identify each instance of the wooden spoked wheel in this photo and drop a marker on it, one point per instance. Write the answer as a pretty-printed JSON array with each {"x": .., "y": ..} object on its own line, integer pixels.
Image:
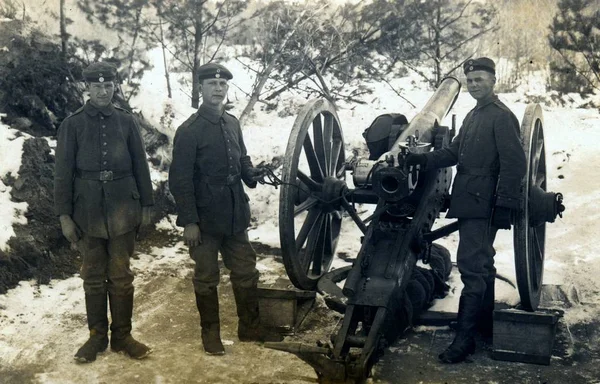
[
  {"x": 530, "y": 237},
  {"x": 313, "y": 177}
]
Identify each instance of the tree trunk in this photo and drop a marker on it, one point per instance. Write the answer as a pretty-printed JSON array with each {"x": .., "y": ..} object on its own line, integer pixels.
[
  {"x": 261, "y": 80},
  {"x": 196, "y": 63},
  {"x": 63, "y": 29},
  {"x": 136, "y": 32},
  {"x": 164, "y": 53}
]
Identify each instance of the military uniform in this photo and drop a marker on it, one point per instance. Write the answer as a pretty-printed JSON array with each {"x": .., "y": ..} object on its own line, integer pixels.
[
  {"x": 205, "y": 178},
  {"x": 490, "y": 166},
  {"x": 209, "y": 164},
  {"x": 102, "y": 180}
]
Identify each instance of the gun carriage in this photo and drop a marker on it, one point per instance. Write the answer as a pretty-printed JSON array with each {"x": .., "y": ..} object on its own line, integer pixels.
[{"x": 315, "y": 196}]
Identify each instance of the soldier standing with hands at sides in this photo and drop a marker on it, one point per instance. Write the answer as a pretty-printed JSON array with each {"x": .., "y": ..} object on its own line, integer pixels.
[
  {"x": 486, "y": 190},
  {"x": 103, "y": 194},
  {"x": 209, "y": 164}
]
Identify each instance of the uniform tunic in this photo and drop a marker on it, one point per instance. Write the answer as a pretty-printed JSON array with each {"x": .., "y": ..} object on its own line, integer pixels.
[
  {"x": 209, "y": 162},
  {"x": 93, "y": 140},
  {"x": 491, "y": 161},
  {"x": 491, "y": 165}
]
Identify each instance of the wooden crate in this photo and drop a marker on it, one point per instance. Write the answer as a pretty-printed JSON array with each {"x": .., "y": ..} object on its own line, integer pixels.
[
  {"x": 284, "y": 309},
  {"x": 526, "y": 337}
]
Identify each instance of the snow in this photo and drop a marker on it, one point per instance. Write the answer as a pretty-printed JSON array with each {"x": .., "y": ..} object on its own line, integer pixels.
[
  {"x": 11, "y": 150},
  {"x": 30, "y": 311}
]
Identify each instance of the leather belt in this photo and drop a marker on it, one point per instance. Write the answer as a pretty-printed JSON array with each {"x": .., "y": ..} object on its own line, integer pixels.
[
  {"x": 220, "y": 180},
  {"x": 102, "y": 175},
  {"x": 477, "y": 171}
]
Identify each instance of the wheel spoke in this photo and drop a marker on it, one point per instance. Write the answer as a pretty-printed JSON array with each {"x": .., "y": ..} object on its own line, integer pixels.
[
  {"x": 314, "y": 249},
  {"x": 311, "y": 157},
  {"x": 327, "y": 139},
  {"x": 311, "y": 218},
  {"x": 306, "y": 204},
  {"x": 310, "y": 183},
  {"x": 335, "y": 156},
  {"x": 318, "y": 144}
]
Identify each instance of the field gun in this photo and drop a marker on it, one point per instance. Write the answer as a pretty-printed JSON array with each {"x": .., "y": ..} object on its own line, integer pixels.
[{"x": 315, "y": 196}]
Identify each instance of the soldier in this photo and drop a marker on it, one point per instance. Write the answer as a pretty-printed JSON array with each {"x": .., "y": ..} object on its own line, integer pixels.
[
  {"x": 205, "y": 178},
  {"x": 491, "y": 164},
  {"x": 102, "y": 194}
]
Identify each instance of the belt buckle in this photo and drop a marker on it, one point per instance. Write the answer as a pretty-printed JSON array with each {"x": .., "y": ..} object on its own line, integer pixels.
[
  {"x": 106, "y": 175},
  {"x": 230, "y": 179}
]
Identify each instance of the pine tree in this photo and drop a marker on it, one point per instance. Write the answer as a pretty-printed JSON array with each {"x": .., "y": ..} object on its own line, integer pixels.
[
  {"x": 575, "y": 35},
  {"x": 438, "y": 32}
]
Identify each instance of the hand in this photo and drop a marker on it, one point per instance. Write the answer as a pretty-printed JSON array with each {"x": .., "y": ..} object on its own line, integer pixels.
[
  {"x": 146, "y": 216},
  {"x": 70, "y": 230},
  {"x": 502, "y": 217},
  {"x": 191, "y": 235},
  {"x": 257, "y": 174},
  {"x": 416, "y": 159}
]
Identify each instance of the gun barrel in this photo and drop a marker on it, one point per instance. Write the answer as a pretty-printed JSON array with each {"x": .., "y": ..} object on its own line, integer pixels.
[{"x": 434, "y": 111}]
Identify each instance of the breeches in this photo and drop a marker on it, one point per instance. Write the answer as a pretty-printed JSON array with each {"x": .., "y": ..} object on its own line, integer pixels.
[
  {"x": 238, "y": 256},
  {"x": 105, "y": 265},
  {"x": 475, "y": 256}
]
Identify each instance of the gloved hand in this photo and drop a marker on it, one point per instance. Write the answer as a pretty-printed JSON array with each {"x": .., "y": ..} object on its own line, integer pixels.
[
  {"x": 191, "y": 235},
  {"x": 416, "y": 159},
  {"x": 502, "y": 217},
  {"x": 257, "y": 174},
  {"x": 70, "y": 230}
]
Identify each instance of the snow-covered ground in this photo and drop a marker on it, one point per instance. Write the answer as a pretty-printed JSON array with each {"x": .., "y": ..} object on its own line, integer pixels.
[{"x": 41, "y": 326}]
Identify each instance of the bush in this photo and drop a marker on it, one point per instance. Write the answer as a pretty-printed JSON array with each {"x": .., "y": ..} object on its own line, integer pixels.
[{"x": 38, "y": 83}]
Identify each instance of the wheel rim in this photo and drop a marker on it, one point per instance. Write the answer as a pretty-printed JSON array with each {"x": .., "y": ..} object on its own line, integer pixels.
[
  {"x": 529, "y": 240},
  {"x": 314, "y": 159}
]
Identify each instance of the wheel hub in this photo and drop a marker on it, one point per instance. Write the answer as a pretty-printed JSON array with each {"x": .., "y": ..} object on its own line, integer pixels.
[{"x": 333, "y": 189}]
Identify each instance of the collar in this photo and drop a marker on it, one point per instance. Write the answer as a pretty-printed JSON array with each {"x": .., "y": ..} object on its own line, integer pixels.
[
  {"x": 488, "y": 100},
  {"x": 93, "y": 110},
  {"x": 210, "y": 114}
]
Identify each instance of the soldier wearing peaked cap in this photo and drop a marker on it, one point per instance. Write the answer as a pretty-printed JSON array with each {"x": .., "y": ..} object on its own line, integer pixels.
[
  {"x": 209, "y": 164},
  {"x": 490, "y": 166},
  {"x": 103, "y": 194}
]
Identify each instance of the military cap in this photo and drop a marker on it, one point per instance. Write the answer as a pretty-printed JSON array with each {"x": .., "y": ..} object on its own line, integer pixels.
[
  {"x": 214, "y": 71},
  {"x": 100, "y": 72},
  {"x": 480, "y": 64}
]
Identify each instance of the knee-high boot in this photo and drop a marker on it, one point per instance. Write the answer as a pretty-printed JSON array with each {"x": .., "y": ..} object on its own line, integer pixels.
[
  {"x": 249, "y": 328},
  {"x": 96, "y": 308},
  {"x": 464, "y": 342},
  {"x": 485, "y": 323},
  {"x": 208, "y": 307},
  {"x": 121, "y": 309}
]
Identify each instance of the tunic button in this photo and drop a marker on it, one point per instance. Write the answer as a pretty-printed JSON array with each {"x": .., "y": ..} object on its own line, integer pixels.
[
  {"x": 104, "y": 126},
  {"x": 103, "y": 143},
  {"x": 104, "y": 162},
  {"x": 104, "y": 135}
]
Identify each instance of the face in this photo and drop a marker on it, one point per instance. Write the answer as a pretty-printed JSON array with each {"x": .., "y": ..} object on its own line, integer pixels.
[
  {"x": 101, "y": 93},
  {"x": 214, "y": 91},
  {"x": 480, "y": 84}
]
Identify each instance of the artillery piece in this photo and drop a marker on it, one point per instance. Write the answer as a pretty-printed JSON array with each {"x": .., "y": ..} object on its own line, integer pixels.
[{"x": 314, "y": 196}]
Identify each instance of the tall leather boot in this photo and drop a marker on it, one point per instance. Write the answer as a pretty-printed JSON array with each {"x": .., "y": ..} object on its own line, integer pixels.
[
  {"x": 121, "y": 308},
  {"x": 249, "y": 328},
  {"x": 485, "y": 323},
  {"x": 96, "y": 308},
  {"x": 208, "y": 307},
  {"x": 464, "y": 342}
]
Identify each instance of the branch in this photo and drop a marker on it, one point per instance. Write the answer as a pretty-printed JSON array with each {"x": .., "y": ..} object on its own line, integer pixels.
[{"x": 396, "y": 92}]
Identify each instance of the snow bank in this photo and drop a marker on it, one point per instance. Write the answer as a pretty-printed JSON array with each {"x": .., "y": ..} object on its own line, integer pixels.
[{"x": 11, "y": 151}]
